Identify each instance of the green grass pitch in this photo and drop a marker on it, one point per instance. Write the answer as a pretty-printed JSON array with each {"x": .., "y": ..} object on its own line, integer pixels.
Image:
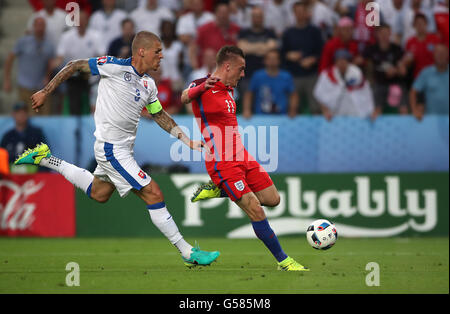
[{"x": 121, "y": 265}]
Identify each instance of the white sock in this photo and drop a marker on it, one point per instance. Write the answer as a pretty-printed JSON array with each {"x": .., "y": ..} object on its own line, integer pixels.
[
  {"x": 162, "y": 219},
  {"x": 79, "y": 177}
]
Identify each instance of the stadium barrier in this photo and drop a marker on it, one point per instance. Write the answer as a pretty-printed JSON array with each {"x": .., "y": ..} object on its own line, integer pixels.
[
  {"x": 279, "y": 143},
  {"x": 37, "y": 205},
  {"x": 361, "y": 205}
]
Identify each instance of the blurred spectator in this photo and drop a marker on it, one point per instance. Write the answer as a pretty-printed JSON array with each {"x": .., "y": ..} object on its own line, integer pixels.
[
  {"x": 174, "y": 5},
  {"x": 419, "y": 48},
  {"x": 85, "y": 5},
  {"x": 23, "y": 136},
  {"x": 255, "y": 41},
  {"x": 121, "y": 46},
  {"x": 78, "y": 43},
  {"x": 322, "y": 17},
  {"x": 441, "y": 18},
  {"x": 171, "y": 64},
  {"x": 55, "y": 19},
  {"x": 276, "y": 13},
  {"x": 405, "y": 24},
  {"x": 342, "y": 90},
  {"x": 209, "y": 65},
  {"x": 433, "y": 83},
  {"x": 390, "y": 11},
  {"x": 363, "y": 33},
  {"x": 343, "y": 39},
  {"x": 388, "y": 73},
  {"x": 216, "y": 34},
  {"x": 150, "y": 17},
  {"x": 166, "y": 94},
  {"x": 271, "y": 90},
  {"x": 34, "y": 53},
  {"x": 188, "y": 23},
  {"x": 241, "y": 13},
  {"x": 186, "y": 31},
  {"x": 107, "y": 22},
  {"x": 301, "y": 49},
  {"x": 342, "y": 7}
]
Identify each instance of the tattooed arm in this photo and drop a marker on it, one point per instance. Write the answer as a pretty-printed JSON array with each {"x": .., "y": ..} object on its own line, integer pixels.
[
  {"x": 38, "y": 98},
  {"x": 166, "y": 123}
]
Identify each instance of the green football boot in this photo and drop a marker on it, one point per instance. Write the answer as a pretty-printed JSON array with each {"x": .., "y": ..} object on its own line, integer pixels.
[
  {"x": 206, "y": 191},
  {"x": 289, "y": 264},
  {"x": 33, "y": 156},
  {"x": 200, "y": 258}
]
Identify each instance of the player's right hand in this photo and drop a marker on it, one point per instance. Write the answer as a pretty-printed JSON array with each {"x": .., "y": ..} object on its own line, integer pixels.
[{"x": 37, "y": 100}]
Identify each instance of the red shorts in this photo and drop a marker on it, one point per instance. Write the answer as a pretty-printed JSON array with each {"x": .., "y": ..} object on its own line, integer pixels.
[{"x": 237, "y": 178}]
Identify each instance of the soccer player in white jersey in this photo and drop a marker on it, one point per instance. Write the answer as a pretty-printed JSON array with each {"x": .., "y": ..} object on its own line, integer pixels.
[{"x": 124, "y": 90}]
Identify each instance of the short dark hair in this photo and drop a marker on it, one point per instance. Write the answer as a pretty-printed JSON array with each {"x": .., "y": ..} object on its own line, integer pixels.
[
  {"x": 228, "y": 52},
  {"x": 299, "y": 4},
  {"x": 420, "y": 16},
  {"x": 219, "y": 3},
  {"x": 126, "y": 20}
]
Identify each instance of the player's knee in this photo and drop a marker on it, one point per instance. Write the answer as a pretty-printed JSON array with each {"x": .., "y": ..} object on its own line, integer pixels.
[
  {"x": 152, "y": 193},
  {"x": 275, "y": 200},
  {"x": 101, "y": 198},
  {"x": 272, "y": 201}
]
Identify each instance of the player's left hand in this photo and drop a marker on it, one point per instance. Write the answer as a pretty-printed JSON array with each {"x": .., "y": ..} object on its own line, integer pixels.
[
  {"x": 37, "y": 100},
  {"x": 199, "y": 146}
]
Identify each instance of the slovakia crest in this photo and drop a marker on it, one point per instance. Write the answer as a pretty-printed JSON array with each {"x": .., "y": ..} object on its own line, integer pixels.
[{"x": 146, "y": 84}]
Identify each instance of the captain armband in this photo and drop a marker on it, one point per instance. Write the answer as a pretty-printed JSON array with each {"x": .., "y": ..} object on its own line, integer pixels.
[{"x": 154, "y": 107}]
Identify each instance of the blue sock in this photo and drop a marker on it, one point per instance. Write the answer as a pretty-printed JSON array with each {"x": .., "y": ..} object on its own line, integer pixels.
[{"x": 265, "y": 233}]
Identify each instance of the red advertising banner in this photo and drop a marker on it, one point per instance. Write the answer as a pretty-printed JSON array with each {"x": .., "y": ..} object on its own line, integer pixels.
[{"x": 41, "y": 205}]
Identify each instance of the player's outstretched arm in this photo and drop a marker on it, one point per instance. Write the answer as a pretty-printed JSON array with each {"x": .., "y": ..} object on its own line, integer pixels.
[
  {"x": 192, "y": 93},
  {"x": 166, "y": 122},
  {"x": 38, "y": 98}
]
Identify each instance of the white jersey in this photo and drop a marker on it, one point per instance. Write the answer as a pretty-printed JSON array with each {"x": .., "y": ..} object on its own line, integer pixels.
[{"x": 122, "y": 94}]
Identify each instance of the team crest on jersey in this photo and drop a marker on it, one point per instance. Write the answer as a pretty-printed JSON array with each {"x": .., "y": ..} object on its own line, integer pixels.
[
  {"x": 142, "y": 175},
  {"x": 192, "y": 85},
  {"x": 127, "y": 76},
  {"x": 102, "y": 60},
  {"x": 146, "y": 84},
  {"x": 239, "y": 185}
]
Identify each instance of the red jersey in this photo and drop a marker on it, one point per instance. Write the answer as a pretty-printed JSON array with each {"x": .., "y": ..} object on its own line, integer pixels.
[
  {"x": 442, "y": 22},
  {"x": 330, "y": 48},
  {"x": 422, "y": 51},
  {"x": 229, "y": 166},
  {"x": 215, "y": 112},
  {"x": 210, "y": 36}
]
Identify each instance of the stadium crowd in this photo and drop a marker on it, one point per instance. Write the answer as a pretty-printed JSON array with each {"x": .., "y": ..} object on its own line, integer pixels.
[{"x": 329, "y": 57}]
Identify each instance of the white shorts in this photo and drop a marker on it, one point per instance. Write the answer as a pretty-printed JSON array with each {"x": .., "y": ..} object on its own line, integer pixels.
[{"x": 116, "y": 164}]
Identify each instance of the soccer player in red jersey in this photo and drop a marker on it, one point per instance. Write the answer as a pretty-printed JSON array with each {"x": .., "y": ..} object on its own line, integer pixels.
[{"x": 230, "y": 166}]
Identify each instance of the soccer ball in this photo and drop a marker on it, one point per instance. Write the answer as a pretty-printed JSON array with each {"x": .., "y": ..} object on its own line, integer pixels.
[{"x": 321, "y": 234}]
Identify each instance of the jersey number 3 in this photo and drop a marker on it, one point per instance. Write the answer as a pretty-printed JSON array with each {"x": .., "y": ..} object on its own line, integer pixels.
[{"x": 138, "y": 95}]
